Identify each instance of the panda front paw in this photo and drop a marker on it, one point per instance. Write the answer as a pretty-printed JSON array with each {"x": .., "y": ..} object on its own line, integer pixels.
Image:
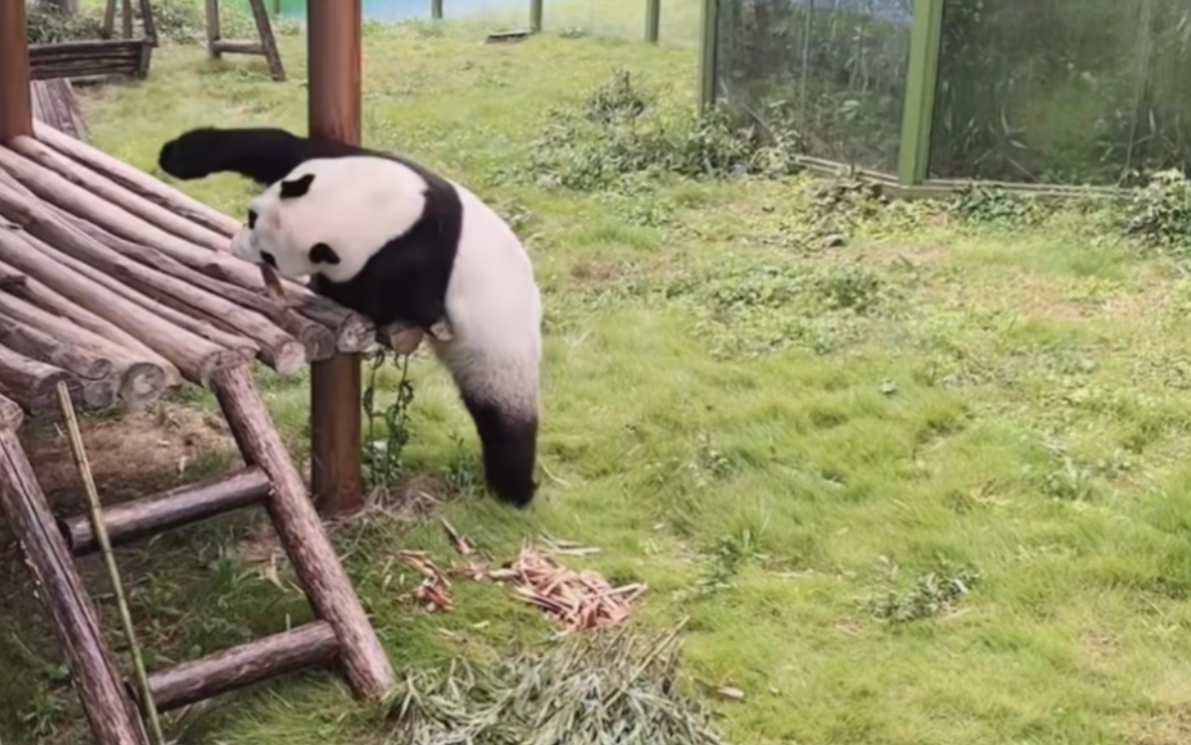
[
  {"x": 402, "y": 339},
  {"x": 405, "y": 339},
  {"x": 441, "y": 330}
]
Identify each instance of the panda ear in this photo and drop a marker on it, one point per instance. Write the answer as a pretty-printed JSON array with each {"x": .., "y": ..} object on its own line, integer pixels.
[
  {"x": 296, "y": 188},
  {"x": 321, "y": 253}
]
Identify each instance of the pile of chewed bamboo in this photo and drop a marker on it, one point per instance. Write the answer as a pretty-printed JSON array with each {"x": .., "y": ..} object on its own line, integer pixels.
[{"x": 122, "y": 286}]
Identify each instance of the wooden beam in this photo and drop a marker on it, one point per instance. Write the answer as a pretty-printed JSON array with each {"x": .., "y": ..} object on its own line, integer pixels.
[
  {"x": 238, "y": 47},
  {"x": 139, "y": 182},
  {"x": 311, "y": 644},
  {"x": 16, "y": 107},
  {"x": 310, "y": 552},
  {"x": 334, "y": 63},
  {"x": 129, "y": 521}
]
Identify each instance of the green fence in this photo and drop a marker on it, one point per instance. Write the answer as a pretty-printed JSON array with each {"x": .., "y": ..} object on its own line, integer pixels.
[{"x": 935, "y": 92}]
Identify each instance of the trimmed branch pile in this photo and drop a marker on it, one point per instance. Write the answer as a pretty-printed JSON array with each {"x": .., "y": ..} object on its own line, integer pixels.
[
  {"x": 616, "y": 685},
  {"x": 122, "y": 286}
]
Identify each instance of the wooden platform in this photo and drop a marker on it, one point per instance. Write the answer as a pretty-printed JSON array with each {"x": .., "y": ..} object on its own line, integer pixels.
[{"x": 124, "y": 286}]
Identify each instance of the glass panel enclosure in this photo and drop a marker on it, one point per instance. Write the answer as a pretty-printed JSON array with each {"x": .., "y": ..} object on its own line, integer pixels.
[
  {"x": 831, "y": 71},
  {"x": 1062, "y": 91}
]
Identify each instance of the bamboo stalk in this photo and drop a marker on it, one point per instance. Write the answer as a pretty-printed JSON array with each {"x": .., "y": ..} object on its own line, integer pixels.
[{"x": 100, "y": 531}]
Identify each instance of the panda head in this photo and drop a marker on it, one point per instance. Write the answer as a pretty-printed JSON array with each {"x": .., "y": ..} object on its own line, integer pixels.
[{"x": 329, "y": 216}]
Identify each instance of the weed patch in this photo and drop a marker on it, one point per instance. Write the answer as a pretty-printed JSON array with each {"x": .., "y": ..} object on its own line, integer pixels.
[
  {"x": 623, "y": 129},
  {"x": 932, "y": 594},
  {"x": 749, "y": 308},
  {"x": 987, "y": 205},
  {"x": 1159, "y": 213}
]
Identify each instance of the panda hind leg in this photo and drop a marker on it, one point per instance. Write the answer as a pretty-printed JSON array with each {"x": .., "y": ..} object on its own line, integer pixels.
[{"x": 509, "y": 445}]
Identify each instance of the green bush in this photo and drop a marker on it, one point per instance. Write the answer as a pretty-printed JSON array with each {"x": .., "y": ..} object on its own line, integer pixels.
[{"x": 47, "y": 25}]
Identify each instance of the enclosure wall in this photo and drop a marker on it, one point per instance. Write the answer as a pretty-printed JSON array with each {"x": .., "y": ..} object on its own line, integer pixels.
[
  {"x": 830, "y": 73},
  {"x": 1027, "y": 91},
  {"x": 1062, "y": 91}
]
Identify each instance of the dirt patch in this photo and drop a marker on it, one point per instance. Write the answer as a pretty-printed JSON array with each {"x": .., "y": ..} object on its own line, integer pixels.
[
  {"x": 414, "y": 499},
  {"x": 1170, "y": 728},
  {"x": 134, "y": 454},
  {"x": 593, "y": 271}
]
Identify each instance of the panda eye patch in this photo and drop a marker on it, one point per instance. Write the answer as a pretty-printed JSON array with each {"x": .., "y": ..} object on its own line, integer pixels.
[
  {"x": 251, "y": 219},
  {"x": 296, "y": 188},
  {"x": 269, "y": 259}
]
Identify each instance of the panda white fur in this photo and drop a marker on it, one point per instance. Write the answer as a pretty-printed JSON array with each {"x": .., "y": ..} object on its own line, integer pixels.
[{"x": 397, "y": 243}]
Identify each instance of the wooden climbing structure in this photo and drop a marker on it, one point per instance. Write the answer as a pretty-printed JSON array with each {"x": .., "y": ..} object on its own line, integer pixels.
[
  {"x": 266, "y": 47},
  {"x": 122, "y": 288}
]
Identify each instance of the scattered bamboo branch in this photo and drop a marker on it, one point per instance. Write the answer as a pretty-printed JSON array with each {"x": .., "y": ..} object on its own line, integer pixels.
[{"x": 581, "y": 600}]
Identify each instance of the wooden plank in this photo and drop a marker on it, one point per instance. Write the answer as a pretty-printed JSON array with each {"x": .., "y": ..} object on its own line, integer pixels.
[
  {"x": 193, "y": 355},
  {"x": 32, "y": 383},
  {"x": 98, "y": 378},
  {"x": 238, "y": 47},
  {"x": 138, "y": 182},
  {"x": 135, "y": 204},
  {"x": 142, "y": 377},
  {"x": 55, "y": 104}
]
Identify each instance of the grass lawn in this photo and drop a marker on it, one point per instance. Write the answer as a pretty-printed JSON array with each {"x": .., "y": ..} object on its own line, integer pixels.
[{"x": 914, "y": 479}]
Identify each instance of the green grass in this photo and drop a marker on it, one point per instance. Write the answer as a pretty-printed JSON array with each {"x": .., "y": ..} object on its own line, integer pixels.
[{"x": 925, "y": 487}]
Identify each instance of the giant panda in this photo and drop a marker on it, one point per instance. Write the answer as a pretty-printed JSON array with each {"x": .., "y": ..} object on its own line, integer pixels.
[{"x": 397, "y": 243}]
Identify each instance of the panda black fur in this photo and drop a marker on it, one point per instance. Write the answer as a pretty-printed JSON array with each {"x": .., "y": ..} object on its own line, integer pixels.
[{"x": 395, "y": 260}]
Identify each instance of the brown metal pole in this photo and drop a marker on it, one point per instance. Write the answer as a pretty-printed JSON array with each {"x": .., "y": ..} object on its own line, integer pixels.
[
  {"x": 16, "y": 110},
  {"x": 334, "y": 62}
]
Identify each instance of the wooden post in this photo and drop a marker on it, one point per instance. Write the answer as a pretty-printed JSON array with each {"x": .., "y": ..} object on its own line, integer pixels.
[
  {"x": 213, "y": 31},
  {"x": 334, "y": 62},
  {"x": 16, "y": 108},
  {"x": 325, "y": 581}
]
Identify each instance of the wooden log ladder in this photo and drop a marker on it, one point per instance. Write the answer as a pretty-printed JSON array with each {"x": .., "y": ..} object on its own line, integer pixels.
[{"x": 122, "y": 287}]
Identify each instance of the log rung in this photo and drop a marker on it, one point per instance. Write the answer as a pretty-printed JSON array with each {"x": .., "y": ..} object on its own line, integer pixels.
[
  {"x": 184, "y": 505},
  {"x": 237, "y": 47},
  {"x": 308, "y": 645}
]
